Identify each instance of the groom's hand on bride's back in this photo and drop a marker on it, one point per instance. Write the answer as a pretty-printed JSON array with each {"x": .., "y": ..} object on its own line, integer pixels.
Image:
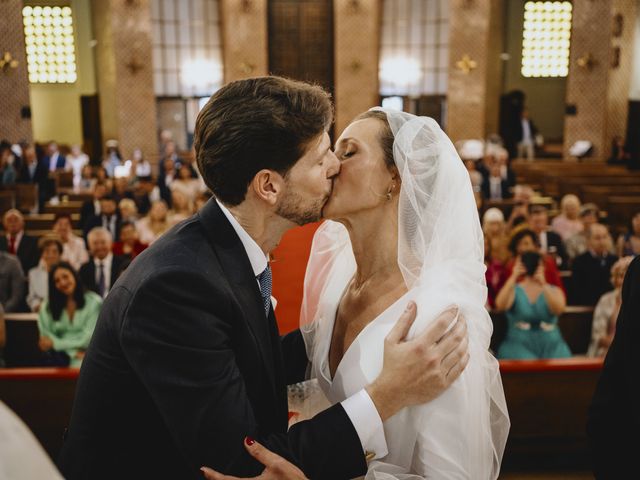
[{"x": 418, "y": 370}]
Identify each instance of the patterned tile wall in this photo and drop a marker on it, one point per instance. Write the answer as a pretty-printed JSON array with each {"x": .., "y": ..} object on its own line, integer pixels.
[{"x": 14, "y": 83}]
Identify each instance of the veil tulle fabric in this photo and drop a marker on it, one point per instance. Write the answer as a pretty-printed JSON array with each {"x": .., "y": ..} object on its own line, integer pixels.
[{"x": 462, "y": 433}]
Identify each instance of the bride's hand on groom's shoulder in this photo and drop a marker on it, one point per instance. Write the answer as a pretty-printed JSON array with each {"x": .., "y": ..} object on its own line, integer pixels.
[
  {"x": 276, "y": 467},
  {"x": 417, "y": 371}
]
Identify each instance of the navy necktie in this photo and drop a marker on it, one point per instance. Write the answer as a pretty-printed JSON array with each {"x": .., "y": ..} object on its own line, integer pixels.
[
  {"x": 265, "y": 288},
  {"x": 101, "y": 280}
]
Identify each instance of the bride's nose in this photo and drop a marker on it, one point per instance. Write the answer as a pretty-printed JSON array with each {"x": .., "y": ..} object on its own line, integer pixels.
[{"x": 333, "y": 165}]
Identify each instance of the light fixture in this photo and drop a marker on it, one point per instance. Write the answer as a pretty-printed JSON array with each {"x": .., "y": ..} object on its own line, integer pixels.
[
  {"x": 201, "y": 75},
  {"x": 402, "y": 72}
]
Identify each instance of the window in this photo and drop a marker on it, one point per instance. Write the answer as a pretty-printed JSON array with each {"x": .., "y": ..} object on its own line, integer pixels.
[
  {"x": 546, "y": 39},
  {"x": 187, "y": 51},
  {"x": 414, "y": 48},
  {"x": 48, "y": 34}
]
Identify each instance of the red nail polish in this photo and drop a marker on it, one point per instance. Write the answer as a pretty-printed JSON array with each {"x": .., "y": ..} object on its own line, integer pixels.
[{"x": 249, "y": 441}]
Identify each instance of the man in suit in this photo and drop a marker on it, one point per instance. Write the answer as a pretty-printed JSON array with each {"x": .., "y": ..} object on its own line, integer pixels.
[
  {"x": 526, "y": 133},
  {"x": 109, "y": 218},
  {"x": 54, "y": 160},
  {"x": 34, "y": 172},
  {"x": 91, "y": 208},
  {"x": 550, "y": 242},
  {"x": 614, "y": 419},
  {"x": 102, "y": 270},
  {"x": 186, "y": 360},
  {"x": 591, "y": 271},
  {"x": 495, "y": 186},
  {"x": 16, "y": 242}
]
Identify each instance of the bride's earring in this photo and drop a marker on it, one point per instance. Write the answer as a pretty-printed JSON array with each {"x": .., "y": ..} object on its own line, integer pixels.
[{"x": 391, "y": 188}]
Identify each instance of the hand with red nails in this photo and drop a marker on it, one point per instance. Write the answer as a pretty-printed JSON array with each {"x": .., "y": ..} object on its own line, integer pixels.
[{"x": 276, "y": 467}]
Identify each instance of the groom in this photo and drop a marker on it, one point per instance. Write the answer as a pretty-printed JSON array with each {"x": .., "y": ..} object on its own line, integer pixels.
[{"x": 186, "y": 360}]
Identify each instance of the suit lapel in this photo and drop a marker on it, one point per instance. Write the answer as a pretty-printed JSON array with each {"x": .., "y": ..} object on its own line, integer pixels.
[{"x": 234, "y": 261}]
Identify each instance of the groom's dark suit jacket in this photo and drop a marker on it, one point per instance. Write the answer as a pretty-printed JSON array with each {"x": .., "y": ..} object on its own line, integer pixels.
[
  {"x": 183, "y": 364},
  {"x": 614, "y": 416}
]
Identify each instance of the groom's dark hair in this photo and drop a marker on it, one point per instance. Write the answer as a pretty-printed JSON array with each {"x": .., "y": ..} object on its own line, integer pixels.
[{"x": 254, "y": 124}]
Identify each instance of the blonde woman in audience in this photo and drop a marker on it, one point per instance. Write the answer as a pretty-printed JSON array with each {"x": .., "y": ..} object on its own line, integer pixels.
[
  {"x": 50, "y": 252},
  {"x": 607, "y": 309},
  {"x": 74, "y": 250},
  {"x": 182, "y": 206},
  {"x": 67, "y": 318},
  {"x": 568, "y": 222},
  {"x": 155, "y": 223},
  {"x": 629, "y": 243},
  {"x": 128, "y": 210}
]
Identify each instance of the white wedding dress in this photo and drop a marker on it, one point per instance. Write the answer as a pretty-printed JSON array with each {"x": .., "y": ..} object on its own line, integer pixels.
[{"x": 462, "y": 433}]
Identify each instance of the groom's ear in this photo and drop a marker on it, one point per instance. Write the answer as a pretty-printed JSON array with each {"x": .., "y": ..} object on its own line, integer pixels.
[{"x": 268, "y": 186}]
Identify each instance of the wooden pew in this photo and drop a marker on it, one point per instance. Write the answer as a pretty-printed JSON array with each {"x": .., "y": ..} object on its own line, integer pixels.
[
  {"x": 43, "y": 398},
  {"x": 63, "y": 207},
  {"x": 7, "y": 200},
  {"x": 548, "y": 402},
  {"x": 44, "y": 221}
]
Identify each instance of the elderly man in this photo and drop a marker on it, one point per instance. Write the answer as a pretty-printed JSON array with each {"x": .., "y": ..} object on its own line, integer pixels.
[
  {"x": 12, "y": 283},
  {"x": 591, "y": 276},
  {"x": 17, "y": 242},
  {"x": 103, "y": 269}
]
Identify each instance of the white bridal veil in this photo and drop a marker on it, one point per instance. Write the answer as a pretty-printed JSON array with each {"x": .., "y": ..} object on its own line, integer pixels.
[{"x": 462, "y": 433}]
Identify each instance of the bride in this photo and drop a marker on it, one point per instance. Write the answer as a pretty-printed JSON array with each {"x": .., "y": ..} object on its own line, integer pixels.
[{"x": 403, "y": 225}]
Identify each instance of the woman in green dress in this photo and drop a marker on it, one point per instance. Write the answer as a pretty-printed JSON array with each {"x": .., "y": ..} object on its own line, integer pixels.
[
  {"x": 532, "y": 307},
  {"x": 67, "y": 319}
]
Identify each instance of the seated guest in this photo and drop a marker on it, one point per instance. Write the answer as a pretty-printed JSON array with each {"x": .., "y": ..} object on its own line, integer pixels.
[
  {"x": 51, "y": 251},
  {"x": 155, "y": 224},
  {"x": 532, "y": 307},
  {"x": 128, "y": 210},
  {"x": 567, "y": 223},
  {"x": 185, "y": 182},
  {"x": 591, "y": 271},
  {"x": 54, "y": 160},
  {"x": 67, "y": 319},
  {"x": 87, "y": 181},
  {"x": 146, "y": 193},
  {"x": 496, "y": 250},
  {"x": 494, "y": 185},
  {"x": 108, "y": 218},
  {"x": 8, "y": 172},
  {"x": 606, "y": 312},
  {"x": 74, "y": 249},
  {"x": 522, "y": 197},
  {"x": 76, "y": 161},
  {"x": 12, "y": 283},
  {"x": 576, "y": 244},
  {"x": 140, "y": 166},
  {"x": 32, "y": 171},
  {"x": 166, "y": 177},
  {"x": 129, "y": 244},
  {"x": 91, "y": 208},
  {"x": 103, "y": 269},
  {"x": 112, "y": 158},
  {"x": 182, "y": 207},
  {"x": 121, "y": 189},
  {"x": 549, "y": 241},
  {"x": 629, "y": 243},
  {"x": 525, "y": 240},
  {"x": 17, "y": 242}
]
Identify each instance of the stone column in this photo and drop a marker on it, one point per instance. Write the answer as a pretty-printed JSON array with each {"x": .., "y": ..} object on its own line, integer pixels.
[
  {"x": 475, "y": 44},
  {"x": 124, "y": 74},
  {"x": 357, "y": 49},
  {"x": 599, "y": 74},
  {"x": 244, "y": 38},
  {"x": 14, "y": 80}
]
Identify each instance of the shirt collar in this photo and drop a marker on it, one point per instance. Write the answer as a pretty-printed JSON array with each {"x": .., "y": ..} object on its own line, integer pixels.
[
  {"x": 105, "y": 261},
  {"x": 257, "y": 258}
]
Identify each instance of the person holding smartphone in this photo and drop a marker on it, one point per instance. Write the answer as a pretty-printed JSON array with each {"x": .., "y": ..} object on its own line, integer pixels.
[{"x": 532, "y": 306}]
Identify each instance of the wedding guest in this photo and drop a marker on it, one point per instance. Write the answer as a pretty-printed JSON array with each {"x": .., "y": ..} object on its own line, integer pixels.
[
  {"x": 577, "y": 243},
  {"x": 103, "y": 268},
  {"x": 74, "y": 249},
  {"x": 8, "y": 173},
  {"x": 629, "y": 243},
  {"x": 31, "y": 170},
  {"x": 129, "y": 244},
  {"x": 17, "y": 242},
  {"x": 128, "y": 210},
  {"x": 532, "y": 307},
  {"x": 613, "y": 422},
  {"x": 183, "y": 207},
  {"x": 591, "y": 271},
  {"x": 12, "y": 283},
  {"x": 66, "y": 320},
  {"x": 494, "y": 186},
  {"x": 522, "y": 197},
  {"x": 146, "y": 193},
  {"x": 606, "y": 313},
  {"x": 51, "y": 252},
  {"x": 112, "y": 158},
  {"x": 568, "y": 222},
  {"x": 190, "y": 186},
  {"x": 155, "y": 223},
  {"x": 108, "y": 218},
  {"x": 76, "y": 161},
  {"x": 526, "y": 133},
  {"x": 496, "y": 251},
  {"x": 91, "y": 208},
  {"x": 121, "y": 189},
  {"x": 140, "y": 166},
  {"x": 54, "y": 160},
  {"x": 87, "y": 181},
  {"x": 166, "y": 177},
  {"x": 550, "y": 242}
]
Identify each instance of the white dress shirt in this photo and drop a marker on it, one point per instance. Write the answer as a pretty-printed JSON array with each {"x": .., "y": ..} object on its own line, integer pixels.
[
  {"x": 75, "y": 252},
  {"x": 527, "y": 139},
  {"x": 107, "y": 262},
  {"x": 359, "y": 407}
]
